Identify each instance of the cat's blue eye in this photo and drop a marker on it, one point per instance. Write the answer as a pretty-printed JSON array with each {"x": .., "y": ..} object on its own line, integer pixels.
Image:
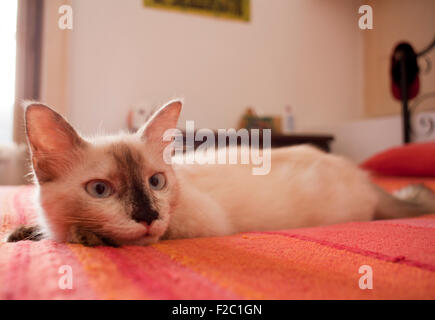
[
  {"x": 157, "y": 181},
  {"x": 99, "y": 189}
]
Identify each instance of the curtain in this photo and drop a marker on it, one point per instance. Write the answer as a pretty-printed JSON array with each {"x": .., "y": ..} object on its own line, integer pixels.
[{"x": 28, "y": 60}]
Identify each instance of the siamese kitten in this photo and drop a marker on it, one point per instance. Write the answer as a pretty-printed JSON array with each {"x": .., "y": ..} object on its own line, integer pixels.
[{"x": 118, "y": 190}]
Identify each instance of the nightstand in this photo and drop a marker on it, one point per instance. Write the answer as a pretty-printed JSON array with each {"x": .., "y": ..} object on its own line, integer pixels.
[{"x": 322, "y": 141}]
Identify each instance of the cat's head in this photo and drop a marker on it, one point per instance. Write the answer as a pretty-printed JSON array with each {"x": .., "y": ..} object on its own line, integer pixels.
[{"x": 111, "y": 189}]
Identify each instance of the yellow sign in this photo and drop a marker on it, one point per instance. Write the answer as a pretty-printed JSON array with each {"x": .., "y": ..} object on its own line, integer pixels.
[{"x": 232, "y": 9}]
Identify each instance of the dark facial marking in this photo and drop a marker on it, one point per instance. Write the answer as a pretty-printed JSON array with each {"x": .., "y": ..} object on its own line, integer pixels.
[
  {"x": 25, "y": 233},
  {"x": 130, "y": 168}
]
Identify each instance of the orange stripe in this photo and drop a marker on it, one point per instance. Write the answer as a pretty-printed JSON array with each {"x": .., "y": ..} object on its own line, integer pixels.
[
  {"x": 397, "y": 243},
  {"x": 104, "y": 276},
  {"x": 207, "y": 259},
  {"x": 170, "y": 279},
  {"x": 276, "y": 267}
]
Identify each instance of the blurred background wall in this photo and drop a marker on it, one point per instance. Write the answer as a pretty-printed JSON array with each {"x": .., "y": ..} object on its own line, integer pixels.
[
  {"x": 395, "y": 21},
  {"x": 309, "y": 54},
  {"x": 381, "y": 125},
  {"x": 306, "y": 53}
]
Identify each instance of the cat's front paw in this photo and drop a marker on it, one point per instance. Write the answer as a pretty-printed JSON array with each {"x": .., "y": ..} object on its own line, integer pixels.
[
  {"x": 32, "y": 233},
  {"x": 85, "y": 238},
  {"x": 88, "y": 238}
]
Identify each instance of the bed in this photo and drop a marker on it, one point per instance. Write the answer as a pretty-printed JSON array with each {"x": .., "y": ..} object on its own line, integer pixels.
[{"x": 311, "y": 263}]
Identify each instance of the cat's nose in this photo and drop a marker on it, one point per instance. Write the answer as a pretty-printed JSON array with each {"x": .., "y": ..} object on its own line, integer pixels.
[{"x": 143, "y": 215}]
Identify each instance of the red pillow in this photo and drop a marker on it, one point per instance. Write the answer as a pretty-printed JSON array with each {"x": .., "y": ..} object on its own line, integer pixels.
[{"x": 416, "y": 159}]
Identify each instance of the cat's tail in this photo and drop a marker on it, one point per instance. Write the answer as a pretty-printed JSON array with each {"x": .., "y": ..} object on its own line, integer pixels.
[{"x": 410, "y": 201}]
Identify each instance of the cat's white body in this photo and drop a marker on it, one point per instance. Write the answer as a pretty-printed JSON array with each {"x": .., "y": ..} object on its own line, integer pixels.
[
  {"x": 305, "y": 187},
  {"x": 120, "y": 190}
]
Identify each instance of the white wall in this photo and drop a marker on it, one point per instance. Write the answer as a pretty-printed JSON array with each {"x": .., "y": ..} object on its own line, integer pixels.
[
  {"x": 307, "y": 53},
  {"x": 359, "y": 140}
]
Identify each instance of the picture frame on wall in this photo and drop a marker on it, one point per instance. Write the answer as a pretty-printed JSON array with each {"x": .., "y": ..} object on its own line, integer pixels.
[{"x": 229, "y": 9}]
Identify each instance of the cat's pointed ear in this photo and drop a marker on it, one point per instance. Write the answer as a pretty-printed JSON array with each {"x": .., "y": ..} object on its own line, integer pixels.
[
  {"x": 48, "y": 132},
  {"x": 162, "y": 120},
  {"x": 52, "y": 141}
]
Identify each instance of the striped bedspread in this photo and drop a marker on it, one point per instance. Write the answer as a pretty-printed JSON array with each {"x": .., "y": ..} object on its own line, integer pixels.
[{"x": 314, "y": 263}]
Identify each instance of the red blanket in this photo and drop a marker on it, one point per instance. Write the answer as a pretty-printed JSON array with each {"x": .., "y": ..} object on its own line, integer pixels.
[{"x": 312, "y": 263}]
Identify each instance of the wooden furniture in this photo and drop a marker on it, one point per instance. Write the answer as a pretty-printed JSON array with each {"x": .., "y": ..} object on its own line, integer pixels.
[{"x": 322, "y": 141}]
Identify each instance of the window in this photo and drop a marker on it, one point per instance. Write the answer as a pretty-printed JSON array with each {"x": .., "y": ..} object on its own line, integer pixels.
[{"x": 8, "y": 26}]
